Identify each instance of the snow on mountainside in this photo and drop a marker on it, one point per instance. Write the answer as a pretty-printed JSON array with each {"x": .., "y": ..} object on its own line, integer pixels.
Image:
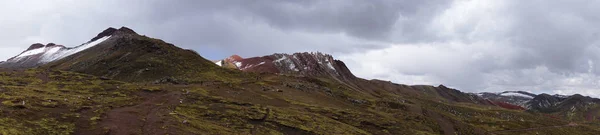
[
  {"x": 39, "y": 54},
  {"x": 517, "y": 98},
  {"x": 518, "y": 94},
  {"x": 52, "y": 53}
]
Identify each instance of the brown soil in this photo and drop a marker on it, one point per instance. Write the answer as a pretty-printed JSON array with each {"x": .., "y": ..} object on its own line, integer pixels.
[
  {"x": 146, "y": 118},
  {"x": 445, "y": 124}
]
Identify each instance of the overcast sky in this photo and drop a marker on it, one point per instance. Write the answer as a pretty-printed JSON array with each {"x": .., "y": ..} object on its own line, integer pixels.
[{"x": 539, "y": 46}]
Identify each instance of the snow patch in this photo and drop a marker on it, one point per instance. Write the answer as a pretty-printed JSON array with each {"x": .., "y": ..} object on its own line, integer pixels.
[
  {"x": 238, "y": 64},
  {"x": 285, "y": 60},
  {"x": 330, "y": 66},
  {"x": 219, "y": 63},
  {"x": 32, "y": 52},
  {"x": 281, "y": 59},
  {"x": 247, "y": 66},
  {"x": 55, "y": 54},
  {"x": 293, "y": 67},
  {"x": 516, "y": 95}
]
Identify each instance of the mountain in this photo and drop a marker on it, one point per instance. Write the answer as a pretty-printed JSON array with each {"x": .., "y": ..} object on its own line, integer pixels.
[
  {"x": 229, "y": 62},
  {"x": 321, "y": 65},
  {"x": 574, "y": 107},
  {"x": 38, "y": 54},
  {"x": 124, "y": 55},
  {"x": 545, "y": 102},
  {"x": 305, "y": 64},
  {"x": 128, "y": 83},
  {"x": 510, "y": 99}
]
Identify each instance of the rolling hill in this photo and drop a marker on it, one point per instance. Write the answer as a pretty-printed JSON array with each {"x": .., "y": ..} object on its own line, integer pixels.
[{"x": 121, "y": 82}]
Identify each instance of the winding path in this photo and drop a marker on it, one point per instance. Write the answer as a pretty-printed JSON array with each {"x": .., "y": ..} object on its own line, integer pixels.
[{"x": 147, "y": 117}]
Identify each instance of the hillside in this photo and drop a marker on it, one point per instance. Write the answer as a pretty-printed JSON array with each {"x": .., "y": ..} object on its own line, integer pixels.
[
  {"x": 76, "y": 103},
  {"x": 323, "y": 66},
  {"x": 126, "y": 83},
  {"x": 130, "y": 57}
]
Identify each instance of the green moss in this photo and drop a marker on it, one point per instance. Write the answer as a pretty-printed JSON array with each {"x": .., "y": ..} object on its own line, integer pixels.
[
  {"x": 52, "y": 127},
  {"x": 95, "y": 118},
  {"x": 46, "y": 126},
  {"x": 234, "y": 105},
  {"x": 10, "y": 126}
]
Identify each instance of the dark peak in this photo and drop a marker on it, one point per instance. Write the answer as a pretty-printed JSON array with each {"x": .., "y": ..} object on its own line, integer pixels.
[
  {"x": 126, "y": 30},
  {"x": 54, "y": 45},
  {"x": 35, "y": 46},
  {"x": 443, "y": 87},
  {"x": 105, "y": 33},
  {"x": 113, "y": 31}
]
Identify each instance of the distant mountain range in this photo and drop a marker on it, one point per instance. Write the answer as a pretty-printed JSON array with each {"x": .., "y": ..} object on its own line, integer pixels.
[
  {"x": 120, "y": 82},
  {"x": 560, "y": 105}
]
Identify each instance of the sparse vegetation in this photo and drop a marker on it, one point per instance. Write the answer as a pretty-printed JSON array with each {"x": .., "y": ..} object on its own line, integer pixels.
[{"x": 141, "y": 85}]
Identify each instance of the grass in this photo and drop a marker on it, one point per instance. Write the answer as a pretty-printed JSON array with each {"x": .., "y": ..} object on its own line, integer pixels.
[
  {"x": 60, "y": 102},
  {"x": 53, "y": 106}
]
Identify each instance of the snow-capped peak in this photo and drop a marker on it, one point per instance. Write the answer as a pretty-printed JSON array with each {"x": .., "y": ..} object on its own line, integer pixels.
[
  {"x": 56, "y": 54},
  {"x": 41, "y": 54},
  {"x": 32, "y": 52}
]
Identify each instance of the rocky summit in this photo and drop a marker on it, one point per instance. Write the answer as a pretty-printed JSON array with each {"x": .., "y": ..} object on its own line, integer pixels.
[{"x": 121, "y": 82}]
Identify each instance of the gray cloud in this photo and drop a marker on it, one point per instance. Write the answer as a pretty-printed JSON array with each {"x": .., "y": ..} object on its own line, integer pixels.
[
  {"x": 483, "y": 45},
  {"x": 499, "y": 45}
]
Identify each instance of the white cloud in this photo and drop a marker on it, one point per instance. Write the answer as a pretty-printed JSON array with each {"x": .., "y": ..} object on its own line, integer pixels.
[{"x": 481, "y": 46}]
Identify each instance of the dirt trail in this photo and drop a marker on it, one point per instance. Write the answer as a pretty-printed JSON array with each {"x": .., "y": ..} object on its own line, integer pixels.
[
  {"x": 445, "y": 124},
  {"x": 146, "y": 118},
  {"x": 536, "y": 128}
]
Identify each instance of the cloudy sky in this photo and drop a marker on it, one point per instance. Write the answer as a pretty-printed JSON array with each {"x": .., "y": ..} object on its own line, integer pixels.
[{"x": 474, "y": 45}]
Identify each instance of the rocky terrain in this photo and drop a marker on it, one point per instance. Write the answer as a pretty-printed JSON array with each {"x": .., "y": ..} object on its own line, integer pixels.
[{"x": 121, "y": 82}]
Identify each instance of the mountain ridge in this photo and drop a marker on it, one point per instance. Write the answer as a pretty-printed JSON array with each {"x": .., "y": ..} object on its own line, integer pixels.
[
  {"x": 38, "y": 54},
  {"x": 131, "y": 57},
  {"x": 177, "y": 91}
]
